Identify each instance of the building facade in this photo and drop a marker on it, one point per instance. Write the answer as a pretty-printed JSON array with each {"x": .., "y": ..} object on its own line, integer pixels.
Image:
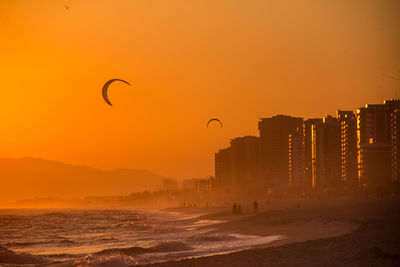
[
  {"x": 296, "y": 160},
  {"x": 169, "y": 185},
  {"x": 274, "y": 144},
  {"x": 376, "y": 133},
  {"x": 348, "y": 148},
  {"x": 395, "y": 144},
  {"x": 325, "y": 149},
  {"x": 308, "y": 141},
  {"x": 224, "y": 170},
  {"x": 198, "y": 187},
  {"x": 238, "y": 168},
  {"x": 246, "y": 163}
]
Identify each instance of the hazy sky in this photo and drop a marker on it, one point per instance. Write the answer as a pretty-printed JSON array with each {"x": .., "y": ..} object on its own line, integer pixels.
[{"x": 188, "y": 61}]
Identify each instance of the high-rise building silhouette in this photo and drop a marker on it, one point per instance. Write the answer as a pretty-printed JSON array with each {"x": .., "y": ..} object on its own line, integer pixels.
[
  {"x": 348, "y": 148},
  {"x": 169, "y": 185},
  {"x": 376, "y": 134},
  {"x": 395, "y": 144},
  {"x": 296, "y": 159},
  {"x": 224, "y": 170},
  {"x": 294, "y": 155},
  {"x": 274, "y": 142},
  {"x": 198, "y": 186},
  {"x": 307, "y": 130},
  {"x": 237, "y": 168},
  {"x": 246, "y": 163},
  {"x": 326, "y": 154}
]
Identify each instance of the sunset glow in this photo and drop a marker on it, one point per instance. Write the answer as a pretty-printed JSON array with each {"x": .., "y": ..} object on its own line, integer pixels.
[{"x": 187, "y": 62}]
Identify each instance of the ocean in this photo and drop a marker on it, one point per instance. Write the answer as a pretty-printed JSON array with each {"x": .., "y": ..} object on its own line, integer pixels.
[{"x": 111, "y": 237}]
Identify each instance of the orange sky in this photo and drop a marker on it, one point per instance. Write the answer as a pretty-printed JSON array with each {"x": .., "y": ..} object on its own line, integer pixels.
[{"x": 188, "y": 61}]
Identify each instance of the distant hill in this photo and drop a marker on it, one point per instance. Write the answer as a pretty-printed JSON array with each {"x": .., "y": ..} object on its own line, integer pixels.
[{"x": 30, "y": 178}]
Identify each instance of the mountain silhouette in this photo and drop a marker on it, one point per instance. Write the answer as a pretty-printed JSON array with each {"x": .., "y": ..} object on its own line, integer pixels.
[{"x": 30, "y": 177}]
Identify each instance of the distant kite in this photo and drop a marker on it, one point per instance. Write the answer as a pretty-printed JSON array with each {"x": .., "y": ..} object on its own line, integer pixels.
[
  {"x": 66, "y": 7},
  {"x": 214, "y": 119},
  {"x": 105, "y": 89}
]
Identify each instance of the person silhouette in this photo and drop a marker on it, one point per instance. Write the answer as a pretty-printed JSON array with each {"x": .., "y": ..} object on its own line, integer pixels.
[
  {"x": 239, "y": 209},
  {"x": 255, "y": 204}
]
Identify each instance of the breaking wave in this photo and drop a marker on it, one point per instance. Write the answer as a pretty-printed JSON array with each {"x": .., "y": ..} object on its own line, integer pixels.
[
  {"x": 12, "y": 257},
  {"x": 111, "y": 237}
]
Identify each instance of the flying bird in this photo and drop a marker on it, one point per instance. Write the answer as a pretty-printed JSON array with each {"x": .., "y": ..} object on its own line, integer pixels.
[
  {"x": 66, "y": 7},
  {"x": 214, "y": 119},
  {"x": 105, "y": 89}
]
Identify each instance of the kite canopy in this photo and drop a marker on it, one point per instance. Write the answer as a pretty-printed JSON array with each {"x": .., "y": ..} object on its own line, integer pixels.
[
  {"x": 214, "y": 119},
  {"x": 105, "y": 89}
]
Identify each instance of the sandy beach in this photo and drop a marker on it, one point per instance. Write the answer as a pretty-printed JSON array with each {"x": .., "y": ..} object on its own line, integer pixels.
[{"x": 336, "y": 232}]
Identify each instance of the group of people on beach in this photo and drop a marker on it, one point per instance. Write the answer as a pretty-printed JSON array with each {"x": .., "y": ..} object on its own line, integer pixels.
[
  {"x": 237, "y": 208},
  {"x": 194, "y": 205},
  {"x": 188, "y": 205}
]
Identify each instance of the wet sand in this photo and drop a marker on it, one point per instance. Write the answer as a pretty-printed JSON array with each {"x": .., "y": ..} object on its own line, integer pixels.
[{"x": 338, "y": 232}]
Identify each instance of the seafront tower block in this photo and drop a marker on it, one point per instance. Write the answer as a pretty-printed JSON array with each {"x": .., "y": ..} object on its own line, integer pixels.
[
  {"x": 377, "y": 141},
  {"x": 274, "y": 143}
]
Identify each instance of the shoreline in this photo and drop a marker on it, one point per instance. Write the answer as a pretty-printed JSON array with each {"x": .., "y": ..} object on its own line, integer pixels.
[
  {"x": 331, "y": 232},
  {"x": 334, "y": 232},
  {"x": 296, "y": 220}
]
